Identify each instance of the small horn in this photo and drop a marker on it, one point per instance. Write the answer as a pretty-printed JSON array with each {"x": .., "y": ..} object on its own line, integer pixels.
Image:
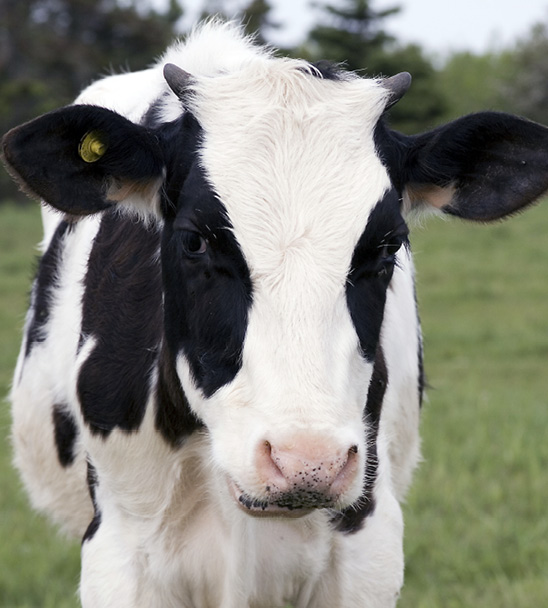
[
  {"x": 397, "y": 85},
  {"x": 177, "y": 79}
]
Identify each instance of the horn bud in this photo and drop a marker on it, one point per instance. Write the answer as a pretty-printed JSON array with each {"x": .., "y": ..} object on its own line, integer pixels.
[
  {"x": 397, "y": 86},
  {"x": 177, "y": 79}
]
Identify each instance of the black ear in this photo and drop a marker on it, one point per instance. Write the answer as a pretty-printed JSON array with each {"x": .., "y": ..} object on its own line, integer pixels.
[
  {"x": 481, "y": 167},
  {"x": 82, "y": 159}
]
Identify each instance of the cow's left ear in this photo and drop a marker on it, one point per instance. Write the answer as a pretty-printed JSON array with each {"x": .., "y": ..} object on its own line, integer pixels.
[
  {"x": 83, "y": 159},
  {"x": 480, "y": 167}
]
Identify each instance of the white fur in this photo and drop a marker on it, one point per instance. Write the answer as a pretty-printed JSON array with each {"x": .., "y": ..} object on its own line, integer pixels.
[
  {"x": 44, "y": 379},
  {"x": 401, "y": 341},
  {"x": 292, "y": 159}
]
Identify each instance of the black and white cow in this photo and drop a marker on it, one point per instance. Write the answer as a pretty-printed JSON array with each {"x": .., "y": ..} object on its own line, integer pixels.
[{"x": 221, "y": 375}]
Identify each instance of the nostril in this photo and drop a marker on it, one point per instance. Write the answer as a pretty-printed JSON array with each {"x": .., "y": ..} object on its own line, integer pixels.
[
  {"x": 268, "y": 467},
  {"x": 306, "y": 465},
  {"x": 347, "y": 473}
]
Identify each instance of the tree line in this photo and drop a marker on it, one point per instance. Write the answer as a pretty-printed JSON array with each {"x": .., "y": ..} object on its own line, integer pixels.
[{"x": 51, "y": 49}]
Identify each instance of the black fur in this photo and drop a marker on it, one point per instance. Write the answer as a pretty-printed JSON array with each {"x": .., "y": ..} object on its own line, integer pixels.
[
  {"x": 421, "y": 374},
  {"x": 329, "y": 70},
  {"x": 65, "y": 434},
  {"x": 372, "y": 268},
  {"x": 174, "y": 418},
  {"x": 122, "y": 311},
  {"x": 207, "y": 296},
  {"x": 43, "y": 155},
  {"x": 497, "y": 162},
  {"x": 96, "y": 521},
  {"x": 351, "y": 519},
  {"x": 45, "y": 284},
  {"x": 205, "y": 306}
]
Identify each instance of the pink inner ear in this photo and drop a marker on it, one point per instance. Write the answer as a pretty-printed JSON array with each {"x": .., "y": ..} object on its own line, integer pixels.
[
  {"x": 120, "y": 190},
  {"x": 430, "y": 194}
]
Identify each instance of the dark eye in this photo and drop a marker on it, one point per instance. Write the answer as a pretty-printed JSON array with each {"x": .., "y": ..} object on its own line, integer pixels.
[
  {"x": 387, "y": 256},
  {"x": 388, "y": 250},
  {"x": 194, "y": 244}
]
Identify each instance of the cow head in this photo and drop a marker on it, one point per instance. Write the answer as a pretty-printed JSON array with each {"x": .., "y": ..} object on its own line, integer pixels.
[{"x": 281, "y": 197}]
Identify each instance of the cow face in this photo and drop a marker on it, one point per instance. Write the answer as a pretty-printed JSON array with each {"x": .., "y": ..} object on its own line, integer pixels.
[
  {"x": 280, "y": 195},
  {"x": 277, "y": 261}
]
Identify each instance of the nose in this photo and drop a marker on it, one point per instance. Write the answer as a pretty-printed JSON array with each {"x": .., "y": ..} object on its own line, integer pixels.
[{"x": 307, "y": 470}]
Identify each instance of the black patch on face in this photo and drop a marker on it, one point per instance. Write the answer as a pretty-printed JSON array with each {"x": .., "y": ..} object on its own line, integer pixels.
[
  {"x": 372, "y": 268},
  {"x": 44, "y": 287},
  {"x": 123, "y": 307},
  {"x": 351, "y": 519},
  {"x": 96, "y": 521},
  {"x": 174, "y": 418},
  {"x": 122, "y": 311},
  {"x": 65, "y": 433},
  {"x": 207, "y": 283}
]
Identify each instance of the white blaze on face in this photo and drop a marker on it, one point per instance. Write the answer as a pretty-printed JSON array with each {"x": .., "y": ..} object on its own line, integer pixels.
[{"x": 292, "y": 158}]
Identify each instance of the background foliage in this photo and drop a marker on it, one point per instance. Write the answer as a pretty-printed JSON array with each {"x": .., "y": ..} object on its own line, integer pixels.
[
  {"x": 476, "y": 524},
  {"x": 51, "y": 49}
]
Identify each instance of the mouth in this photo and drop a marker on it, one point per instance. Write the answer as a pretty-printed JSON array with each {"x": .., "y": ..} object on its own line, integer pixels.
[{"x": 282, "y": 506}]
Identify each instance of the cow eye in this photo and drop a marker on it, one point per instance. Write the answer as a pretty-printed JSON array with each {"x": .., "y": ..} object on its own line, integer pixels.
[
  {"x": 388, "y": 250},
  {"x": 194, "y": 244},
  {"x": 387, "y": 256}
]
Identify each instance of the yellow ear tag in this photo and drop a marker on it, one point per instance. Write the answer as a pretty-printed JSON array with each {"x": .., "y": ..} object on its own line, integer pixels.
[{"x": 92, "y": 146}]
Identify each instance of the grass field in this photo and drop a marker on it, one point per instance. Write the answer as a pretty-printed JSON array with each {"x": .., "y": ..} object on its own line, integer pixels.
[{"x": 477, "y": 517}]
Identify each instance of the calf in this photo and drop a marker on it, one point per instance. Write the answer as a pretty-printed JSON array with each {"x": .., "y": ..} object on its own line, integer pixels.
[{"x": 221, "y": 375}]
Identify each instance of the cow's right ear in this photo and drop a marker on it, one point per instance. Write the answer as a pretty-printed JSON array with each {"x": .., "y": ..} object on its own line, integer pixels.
[
  {"x": 482, "y": 167},
  {"x": 83, "y": 159}
]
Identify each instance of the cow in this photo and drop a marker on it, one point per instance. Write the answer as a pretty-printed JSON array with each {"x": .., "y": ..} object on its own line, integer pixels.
[{"x": 220, "y": 381}]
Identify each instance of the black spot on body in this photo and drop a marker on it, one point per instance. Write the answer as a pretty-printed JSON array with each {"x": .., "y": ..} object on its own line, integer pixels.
[
  {"x": 92, "y": 481},
  {"x": 421, "y": 372},
  {"x": 92, "y": 528},
  {"x": 44, "y": 287},
  {"x": 122, "y": 312},
  {"x": 65, "y": 434}
]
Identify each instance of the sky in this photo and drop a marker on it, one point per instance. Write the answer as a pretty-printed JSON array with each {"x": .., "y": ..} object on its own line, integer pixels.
[{"x": 439, "y": 26}]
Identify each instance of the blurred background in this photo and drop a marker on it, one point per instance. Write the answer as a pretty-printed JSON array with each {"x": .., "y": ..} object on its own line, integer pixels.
[
  {"x": 474, "y": 55},
  {"x": 476, "y": 517}
]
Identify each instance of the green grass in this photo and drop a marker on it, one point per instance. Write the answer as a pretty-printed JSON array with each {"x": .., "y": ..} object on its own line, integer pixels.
[
  {"x": 38, "y": 568},
  {"x": 476, "y": 518}
]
